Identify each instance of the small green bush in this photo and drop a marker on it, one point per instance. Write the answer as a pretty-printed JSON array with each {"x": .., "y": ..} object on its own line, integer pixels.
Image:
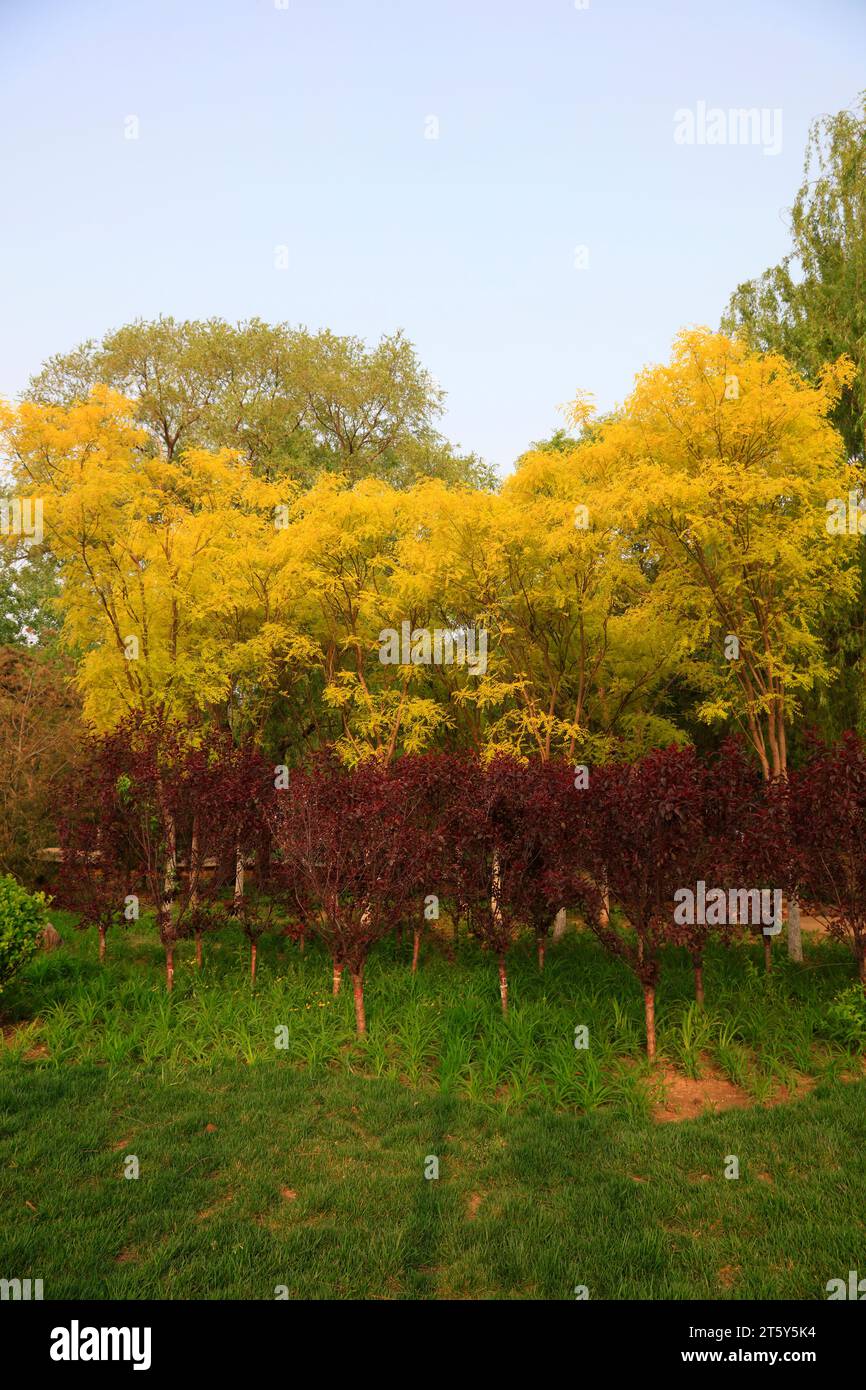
[
  {"x": 22, "y": 921},
  {"x": 847, "y": 1014}
]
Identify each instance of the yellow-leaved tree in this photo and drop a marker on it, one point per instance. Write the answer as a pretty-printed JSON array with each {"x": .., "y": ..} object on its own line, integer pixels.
[
  {"x": 577, "y": 644},
  {"x": 339, "y": 576},
  {"x": 166, "y": 565},
  {"x": 724, "y": 464}
]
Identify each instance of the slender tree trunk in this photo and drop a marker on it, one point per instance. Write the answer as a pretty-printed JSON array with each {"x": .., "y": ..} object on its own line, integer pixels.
[
  {"x": 169, "y": 890},
  {"x": 301, "y": 943},
  {"x": 768, "y": 953},
  {"x": 254, "y": 951},
  {"x": 101, "y": 944},
  {"x": 541, "y": 944},
  {"x": 604, "y": 913},
  {"x": 698, "y": 962},
  {"x": 649, "y": 1004},
  {"x": 795, "y": 935},
  {"x": 416, "y": 949},
  {"x": 170, "y": 881},
  {"x": 338, "y": 975},
  {"x": 194, "y": 862},
  {"x": 199, "y": 956},
  {"x": 358, "y": 988},
  {"x": 503, "y": 983},
  {"x": 240, "y": 874}
]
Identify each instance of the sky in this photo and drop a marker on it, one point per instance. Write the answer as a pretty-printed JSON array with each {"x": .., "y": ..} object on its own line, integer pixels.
[{"x": 512, "y": 184}]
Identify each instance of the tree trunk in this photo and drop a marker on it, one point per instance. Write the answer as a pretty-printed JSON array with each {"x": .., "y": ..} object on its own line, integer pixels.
[
  {"x": 169, "y": 968},
  {"x": 254, "y": 952},
  {"x": 649, "y": 1004},
  {"x": 101, "y": 944},
  {"x": 604, "y": 912},
  {"x": 194, "y": 866},
  {"x": 358, "y": 987},
  {"x": 199, "y": 956},
  {"x": 795, "y": 935},
  {"x": 699, "y": 981},
  {"x": 768, "y": 954},
  {"x": 338, "y": 975},
  {"x": 541, "y": 945},
  {"x": 416, "y": 949},
  {"x": 169, "y": 886},
  {"x": 503, "y": 984},
  {"x": 301, "y": 943},
  {"x": 240, "y": 873}
]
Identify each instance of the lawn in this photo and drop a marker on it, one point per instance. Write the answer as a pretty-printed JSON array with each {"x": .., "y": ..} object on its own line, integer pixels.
[{"x": 304, "y": 1167}]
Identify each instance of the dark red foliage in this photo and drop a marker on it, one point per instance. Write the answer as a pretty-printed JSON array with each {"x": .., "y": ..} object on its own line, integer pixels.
[
  {"x": 98, "y": 875},
  {"x": 171, "y": 797},
  {"x": 827, "y": 807},
  {"x": 427, "y": 780},
  {"x": 643, "y": 839},
  {"x": 350, "y": 838},
  {"x": 513, "y": 856}
]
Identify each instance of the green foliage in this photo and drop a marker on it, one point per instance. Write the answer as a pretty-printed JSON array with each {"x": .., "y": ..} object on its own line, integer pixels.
[
  {"x": 28, "y": 587},
  {"x": 847, "y": 1016},
  {"x": 811, "y": 307},
  {"x": 22, "y": 919},
  {"x": 294, "y": 403}
]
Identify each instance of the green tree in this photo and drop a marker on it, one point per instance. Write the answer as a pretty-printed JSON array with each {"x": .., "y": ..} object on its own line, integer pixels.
[
  {"x": 812, "y": 309},
  {"x": 294, "y": 403},
  {"x": 812, "y": 306}
]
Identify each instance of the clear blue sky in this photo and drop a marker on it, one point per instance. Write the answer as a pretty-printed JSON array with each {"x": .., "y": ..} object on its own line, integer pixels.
[{"x": 304, "y": 127}]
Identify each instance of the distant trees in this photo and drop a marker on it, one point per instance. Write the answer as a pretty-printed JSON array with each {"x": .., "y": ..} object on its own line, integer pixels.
[
  {"x": 292, "y": 402},
  {"x": 810, "y": 306},
  {"x": 40, "y": 742}
]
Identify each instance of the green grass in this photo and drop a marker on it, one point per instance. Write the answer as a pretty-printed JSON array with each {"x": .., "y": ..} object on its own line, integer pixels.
[
  {"x": 305, "y": 1167},
  {"x": 527, "y": 1205}
]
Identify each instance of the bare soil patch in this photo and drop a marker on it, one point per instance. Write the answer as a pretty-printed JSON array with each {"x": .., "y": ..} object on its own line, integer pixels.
[
  {"x": 686, "y": 1097},
  {"x": 682, "y": 1097}
]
